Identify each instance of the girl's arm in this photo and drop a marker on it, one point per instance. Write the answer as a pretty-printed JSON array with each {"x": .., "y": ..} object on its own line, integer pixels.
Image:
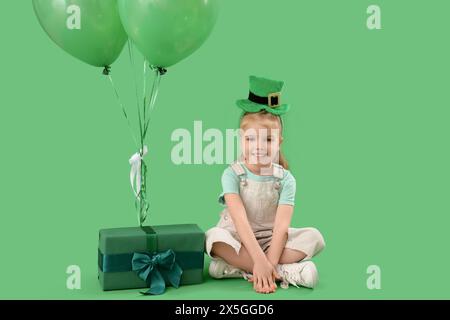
[
  {"x": 243, "y": 228},
  {"x": 280, "y": 232}
]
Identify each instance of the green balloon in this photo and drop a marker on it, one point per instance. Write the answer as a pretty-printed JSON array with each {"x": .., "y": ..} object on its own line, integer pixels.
[
  {"x": 167, "y": 31},
  {"x": 89, "y": 30}
]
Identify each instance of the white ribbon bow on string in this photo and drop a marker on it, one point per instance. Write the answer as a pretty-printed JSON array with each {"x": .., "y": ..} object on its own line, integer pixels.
[{"x": 135, "y": 173}]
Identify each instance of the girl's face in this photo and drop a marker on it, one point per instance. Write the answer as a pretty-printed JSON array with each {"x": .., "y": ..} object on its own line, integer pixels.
[{"x": 260, "y": 144}]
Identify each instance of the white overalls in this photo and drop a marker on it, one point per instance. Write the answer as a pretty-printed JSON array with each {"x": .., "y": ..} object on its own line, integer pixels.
[{"x": 260, "y": 199}]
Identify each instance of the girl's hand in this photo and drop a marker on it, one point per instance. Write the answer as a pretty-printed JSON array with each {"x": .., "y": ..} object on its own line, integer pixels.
[{"x": 264, "y": 276}]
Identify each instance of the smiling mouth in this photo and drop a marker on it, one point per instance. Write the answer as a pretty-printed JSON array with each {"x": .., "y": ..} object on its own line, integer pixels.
[{"x": 259, "y": 154}]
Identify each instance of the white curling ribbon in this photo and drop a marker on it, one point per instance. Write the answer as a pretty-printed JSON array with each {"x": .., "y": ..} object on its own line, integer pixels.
[{"x": 135, "y": 173}]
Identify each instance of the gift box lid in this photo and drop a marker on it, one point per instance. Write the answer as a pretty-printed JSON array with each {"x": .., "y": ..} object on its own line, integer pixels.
[{"x": 178, "y": 237}]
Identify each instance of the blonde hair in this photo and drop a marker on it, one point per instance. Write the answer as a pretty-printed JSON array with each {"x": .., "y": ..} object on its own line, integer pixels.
[{"x": 268, "y": 120}]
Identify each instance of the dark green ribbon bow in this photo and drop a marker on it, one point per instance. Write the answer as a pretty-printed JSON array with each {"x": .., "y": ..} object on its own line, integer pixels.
[{"x": 155, "y": 267}]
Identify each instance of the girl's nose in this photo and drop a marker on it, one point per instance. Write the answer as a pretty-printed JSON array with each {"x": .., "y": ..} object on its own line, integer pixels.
[{"x": 262, "y": 145}]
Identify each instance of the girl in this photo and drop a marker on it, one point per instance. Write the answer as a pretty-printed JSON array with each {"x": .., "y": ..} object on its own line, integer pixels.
[{"x": 252, "y": 238}]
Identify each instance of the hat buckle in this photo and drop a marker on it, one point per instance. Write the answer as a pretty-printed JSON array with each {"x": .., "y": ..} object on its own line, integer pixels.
[{"x": 275, "y": 96}]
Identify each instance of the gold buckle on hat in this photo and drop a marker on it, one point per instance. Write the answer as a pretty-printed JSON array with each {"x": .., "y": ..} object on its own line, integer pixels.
[{"x": 273, "y": 95}]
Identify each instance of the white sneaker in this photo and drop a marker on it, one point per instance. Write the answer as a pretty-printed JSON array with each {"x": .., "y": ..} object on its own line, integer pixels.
[
  {"x": 303, "y": 273},
  {"x": 219, "y": 269}
]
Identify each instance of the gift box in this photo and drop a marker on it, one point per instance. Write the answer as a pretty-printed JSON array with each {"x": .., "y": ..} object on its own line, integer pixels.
[{"x": 151, "y": 257}]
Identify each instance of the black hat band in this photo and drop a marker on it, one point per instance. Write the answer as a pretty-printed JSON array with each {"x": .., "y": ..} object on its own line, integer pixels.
[{"x": 273, "y": 100}]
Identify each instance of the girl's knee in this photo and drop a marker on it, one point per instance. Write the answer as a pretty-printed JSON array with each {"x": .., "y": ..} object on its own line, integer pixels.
[
  {"x": 318, "y": 238},
  {"x": 213, "y": 252},
  {"x": 219, "y": 248},
  {"x": 216, "y": 248}
]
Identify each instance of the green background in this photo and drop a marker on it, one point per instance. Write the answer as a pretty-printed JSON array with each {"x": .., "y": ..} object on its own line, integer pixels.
[{"x": 366, "y": 138}]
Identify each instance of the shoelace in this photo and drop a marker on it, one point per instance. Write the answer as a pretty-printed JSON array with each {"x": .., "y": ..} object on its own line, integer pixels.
[
  {"x": 284, "y": 281},
  {"x": 290, "y": 274},
  {"x": 228, "y": 271},
  {"x": 246, "y": 275},
  {"x": 293, "y": 276}
]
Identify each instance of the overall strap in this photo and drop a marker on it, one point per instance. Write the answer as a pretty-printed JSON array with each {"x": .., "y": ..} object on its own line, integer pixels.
[
  {"x": 278, "y": 173},
  {"x": 240, "y": 172}
]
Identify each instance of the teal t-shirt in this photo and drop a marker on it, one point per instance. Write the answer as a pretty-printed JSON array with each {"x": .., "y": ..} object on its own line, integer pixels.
[{"x": 231, "y": 182}]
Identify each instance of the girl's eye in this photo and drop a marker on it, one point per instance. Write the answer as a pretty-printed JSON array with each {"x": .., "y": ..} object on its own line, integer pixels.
[{"x": 249, "y": 138}]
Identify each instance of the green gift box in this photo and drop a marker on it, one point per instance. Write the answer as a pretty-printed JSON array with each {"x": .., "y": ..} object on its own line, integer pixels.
[{"x": 156, "y": 256}]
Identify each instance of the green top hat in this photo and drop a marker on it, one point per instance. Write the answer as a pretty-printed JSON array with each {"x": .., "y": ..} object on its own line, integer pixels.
[{"x": 264, "y": 94}]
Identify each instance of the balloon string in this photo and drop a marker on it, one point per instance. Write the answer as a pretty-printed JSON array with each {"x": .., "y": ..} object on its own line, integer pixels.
[
  {"x": 119, "y": 101},
  {"x": 144, "y": 205},
  {"x": 157, "y": 81},
  {"x": 151, "y": 100},
  {"x": 145, "y": 86},
  {"x": 141, "y": 198},
  {"x": 130, "y": 52},
  {"x": 153, "y": 95}
]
